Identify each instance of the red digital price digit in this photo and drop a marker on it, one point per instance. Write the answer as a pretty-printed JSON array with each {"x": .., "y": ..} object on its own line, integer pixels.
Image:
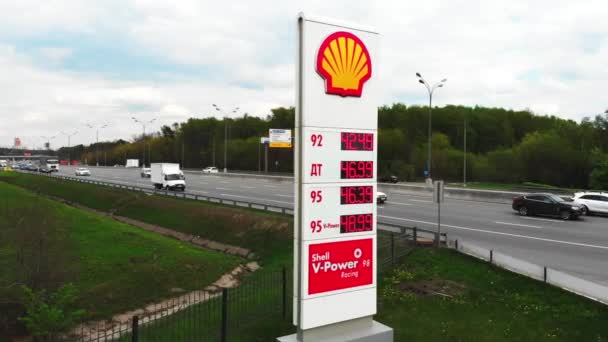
[
  {"x": 356, "y": 223},
  {"x": 368, "y": 194},
  {"x": 316, "y": 196},
  {"x": 351, "y": 141},
  {"x": 316, "y": 226},
  {"x": 317, "y": 140},
  {"x": 369, "y": 142},
  {"x": 356, "y": 169}
]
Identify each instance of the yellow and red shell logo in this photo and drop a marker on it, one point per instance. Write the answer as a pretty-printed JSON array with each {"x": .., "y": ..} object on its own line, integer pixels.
[{"x": 344, "y": 62}]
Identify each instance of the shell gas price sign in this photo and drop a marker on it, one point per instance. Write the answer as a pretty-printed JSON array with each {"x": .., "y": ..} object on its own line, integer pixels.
[
  {"x": 340, "y": 265},
  {"x": 336, "y": 170}
]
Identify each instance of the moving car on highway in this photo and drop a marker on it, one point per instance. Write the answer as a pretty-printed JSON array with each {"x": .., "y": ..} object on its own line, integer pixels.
[
  {"x": 381, "y": 197},
  {"x": 167, "y": 176},
  {"x": 389, "y": 179},
  {"x": 45, "y": 169},
  {"x": 82, "y": 171},
  {"x": 592, "y": 202},
  {"x": 146, "y": 172},
  {"x": 210, "y": 169},
  {"x": 546, "y": 205}
]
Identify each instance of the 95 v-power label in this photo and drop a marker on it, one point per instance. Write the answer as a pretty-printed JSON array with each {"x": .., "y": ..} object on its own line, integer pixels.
[{"x": 340, "y": 265}]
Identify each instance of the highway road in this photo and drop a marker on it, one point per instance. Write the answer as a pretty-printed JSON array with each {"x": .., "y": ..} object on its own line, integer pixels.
[{"x": 577, "y": 247}]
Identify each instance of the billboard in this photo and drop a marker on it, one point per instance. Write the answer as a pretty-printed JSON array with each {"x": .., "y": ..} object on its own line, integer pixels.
[
  {"x": 335, "y": 174},
  {"x": 279, "y": 138}
]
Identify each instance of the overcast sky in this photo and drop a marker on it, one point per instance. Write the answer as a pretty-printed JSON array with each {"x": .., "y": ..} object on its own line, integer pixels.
[{"x": 67, "y": 63}]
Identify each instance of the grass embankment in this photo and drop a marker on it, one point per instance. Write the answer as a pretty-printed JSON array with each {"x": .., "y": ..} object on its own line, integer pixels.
[
  {"x": 440, "y": 295},
  {"x": 115, "y": 266},
  {"x": 433, "y": 295},
  {"x": 268, "y": 235}
]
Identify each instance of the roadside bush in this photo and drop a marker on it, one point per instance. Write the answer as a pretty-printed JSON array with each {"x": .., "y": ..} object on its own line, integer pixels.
[{"x": 48, "y": 315}]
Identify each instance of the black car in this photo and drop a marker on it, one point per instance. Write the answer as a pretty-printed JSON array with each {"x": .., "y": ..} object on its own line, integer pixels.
[
  {"x": 45, "y": 170},
  {"x": 546, "y": 205},
  {"x": 389, "y": 179}
]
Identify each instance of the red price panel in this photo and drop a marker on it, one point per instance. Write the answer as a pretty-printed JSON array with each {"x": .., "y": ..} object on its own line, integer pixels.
[
  {"x": 356, "y": 169},
  {"x": 357, "y": 141},
  {"x": 356, "y": 223},
  {"x": 356, "y": 194}
]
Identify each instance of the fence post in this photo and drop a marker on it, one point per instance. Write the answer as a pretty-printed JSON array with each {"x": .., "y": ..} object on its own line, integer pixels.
[
  {"x": 135, "y": 329},
  {"x": 223, "y": 332},
  {"x": 491, "y": 256},
  {"x": 415, "y": 236},
  {"x": 392, "y": 248},
  {"x": 545, "y": 274},
  {"x": 284, "y": 292},
  {"x": 456, "y": 242}
]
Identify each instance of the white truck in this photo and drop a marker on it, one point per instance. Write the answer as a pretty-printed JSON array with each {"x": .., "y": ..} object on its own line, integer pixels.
[
  {"x": 167, "y": 176},
  {"x": 132, "y": 163}
]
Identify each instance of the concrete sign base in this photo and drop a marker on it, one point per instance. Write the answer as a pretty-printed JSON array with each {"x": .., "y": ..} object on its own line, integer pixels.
[{"x": 357, "y": 330}]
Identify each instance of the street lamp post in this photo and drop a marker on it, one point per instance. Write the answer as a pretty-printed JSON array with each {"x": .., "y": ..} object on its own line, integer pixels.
[
  {"x": 431, "y": 90},
  {"x": 464, "y": 169},
  {"x": 236, "y": 109},
  {"x": 143, "y": 125},
  {"x": 48, "y": 141},
  {"x": 97, "y": 128},
  {"x": 69, "y": 135}
]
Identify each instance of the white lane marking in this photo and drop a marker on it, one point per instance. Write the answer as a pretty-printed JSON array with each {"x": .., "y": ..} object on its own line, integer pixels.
[
  {"x": 288, "y": 196},
  {"x": 397, "y": 203},
  {"x": 421, "y": 201},
  {"x": 252, "y": 198},
  {"x": 270, "y": 186},
  {"x": 247, "y": 187},
  {"x": 540, "y": 219},
  {"x": 505, "y": 234},
  {"x": 518, "y": 225},
  {"x": 198, "y": 191},
  {"x": 223, "y": 189}
]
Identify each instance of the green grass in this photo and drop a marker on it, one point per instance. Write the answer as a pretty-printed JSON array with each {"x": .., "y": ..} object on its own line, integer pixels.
[
  {"x": 487, "y": 304},
  {"x": 116, "y": 266},
  {"x": 269, "y": 235}
]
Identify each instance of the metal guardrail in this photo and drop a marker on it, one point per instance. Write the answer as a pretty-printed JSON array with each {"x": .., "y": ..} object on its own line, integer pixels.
[
  {"x": 184, "y": 195},
  {"x": 592, "y": 290},
  {"x": 238, "y": 203}
]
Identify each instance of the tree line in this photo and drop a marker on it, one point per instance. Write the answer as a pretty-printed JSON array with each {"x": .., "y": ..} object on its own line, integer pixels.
[{"x": 502, "y": 145}]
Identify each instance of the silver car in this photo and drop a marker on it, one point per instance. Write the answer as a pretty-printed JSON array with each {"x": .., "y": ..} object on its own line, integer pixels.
[{"x": 81, "y": 171}]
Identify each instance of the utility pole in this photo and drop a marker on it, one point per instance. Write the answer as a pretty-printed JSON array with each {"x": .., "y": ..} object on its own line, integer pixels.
[
  {"x": 69, "y": 135},
  {"x": 143, "y": 125},
  {"x": 431, "y": 90},
  {"x": 217, "y": 108},
  {"x": 97, "y": 128}
]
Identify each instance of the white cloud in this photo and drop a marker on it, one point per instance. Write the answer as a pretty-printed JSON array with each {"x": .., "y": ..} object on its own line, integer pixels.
[{"x": 486, "y": 49}]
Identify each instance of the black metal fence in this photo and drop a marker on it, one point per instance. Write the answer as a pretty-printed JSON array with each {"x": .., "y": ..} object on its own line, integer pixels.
[
  {"x": 214, "y": 315},
  {"x": 231, "y": 314}
]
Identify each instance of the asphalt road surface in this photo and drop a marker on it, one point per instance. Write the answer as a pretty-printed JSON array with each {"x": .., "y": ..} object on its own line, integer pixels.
[{"x": 577, "y": 247}]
